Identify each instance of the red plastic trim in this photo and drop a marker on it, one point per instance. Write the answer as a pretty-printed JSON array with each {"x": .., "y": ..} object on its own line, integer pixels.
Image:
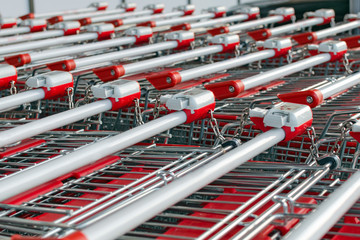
[
  {"x": 143, "y": 38},
  {"x": 337, "y": 56},
  {"x": 147, "y": 24},
  {"x": 355, "y": 135},
  {"x": 109, "y": 73},
  {"x": 58, "y": 91},
  {"x": 158, "y": 10},
  {"x": 24, "y": 145},
  {"x": 184, "y": 44},
  {"x": 5, "y": 81},
  {"x": 301, "y": 97},
  {"x": 184, "y": 26},
  {"x": 159, "y": 81},
  {"x": 127, "y": 101},
  {"x": 8, "y": 25},
  {"x": 326, "y": 20},
  {"x": 253, "y": 16},
  {"x": 55, "y": 19},
  {"x": 28, "y": 16},
  {"x": 102, "y": 8},
  {"x": 219, "y": 14},
  {"x": 71, "y": 31},
  {"x": 85, "y": 21},
  {"x": 219, "y": 30},
  {"x": 260, "y": 34},
  {"x": 286, "y": 18},
  {"x": 221, "y": 90},
  {"x": 130, "y": 9},
  {"x": 38, "y": 28},
  {"x": 189, "y": 12},
  {"x": 116, "y": 23},
  {"x": 304, "y": 38},
  {"x": 281, "y": 52},
  {"x": 352, "y": 42},
  {"x": 105, "y": 35},
  {"x": 259, "y": 122},
  {"x": 65, "y": 65},
  {"x": 18, "y": 60},
  {"x": 198, "y": 114}
]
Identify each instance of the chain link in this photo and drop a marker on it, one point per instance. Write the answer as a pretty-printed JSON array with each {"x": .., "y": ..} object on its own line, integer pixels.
[
  {"x": 346, "y": 64},
  {"x": 314, "y": 151},
  {"x": 156, "y": 109},
  {"x": 214, "y": 125},
  {"x": 344, "y": 128},
  {"x": 138, "y": 116},
  {"x": 13, "y": 89},
  {"x": 237, "y": 51},
  {"x": 289, "y": 57},
  {"x": 70, "y": 93},
  {"x": 243, "y": 119}
]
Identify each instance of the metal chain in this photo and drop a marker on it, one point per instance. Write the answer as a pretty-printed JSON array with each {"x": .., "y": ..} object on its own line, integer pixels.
[
  {"x": 346, "y": 64},
  {"x": 237, "y": 51},
  {"x": 13, "y": 89},
  {"x": 70, "y": 93},
  {"x": 289, "y": 57},
  {"x": 214, "y": 125},
  {"x": 314, "y": 151},
  {"x": 156, "y": 109},
  {"x": 138, "y": 116},
  {"x": 344, "y": 128},
  {"x": 243, "y": 119}
]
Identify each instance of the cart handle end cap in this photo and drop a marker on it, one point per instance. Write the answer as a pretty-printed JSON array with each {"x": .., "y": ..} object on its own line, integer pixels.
[
  {"x": 8, "y": 25},
  {"x": 55, "y": 19},
  {"x": 261, "y": 34},
  {"x": 312, "y": 98},
  {"x": 66, "y": 65},
  {"x": 219, "y": 30},
  {"x": 109, "y": 73},
  {"x": 304, "y": 38},
  {"x": 85, "y": 21},
  {"x": 164, "y": 80},
  {"x": 228, "y": 89},
  {"x": 151, "y": 24},
  {"x": 28, "y": 16},
  {"x": 184, "y": 26},
  {"x": 352, "y": 42},
  {"x": 18, "y": 60},
  {"x": 116, "y": 23}
]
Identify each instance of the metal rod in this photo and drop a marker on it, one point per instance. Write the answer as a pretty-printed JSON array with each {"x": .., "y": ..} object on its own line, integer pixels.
[
  {"x": 254, "y": 23},
  {"x": 34, "y": 176},
  {"x": 338, "y": 29},
  {"x": 21, "y": 98},
  {"x": 223, "y": 65},
  {"x": 52, "y": 122},
  {"x": 146, "y": 207},
  {"x": 31, "y": 37},
  {"x": 277, "y": 73},
  {"x": 213, "y": 22},
  {"x": 295, "y": 26},
  {"x": 329, "y": 211},
  {"x": 339, "y": 86}
]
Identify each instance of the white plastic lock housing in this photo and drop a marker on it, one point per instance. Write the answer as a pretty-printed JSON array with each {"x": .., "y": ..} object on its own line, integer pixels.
[
  {"x": 283, "y": 11},
  {"x": 332, "y": 47},
  {"x": 67, "y": 25},
  {"x": 192, "y": 100},
  {"x": 100, "y": 28},
  {"x": 277, "y": 43},
  {"x": 138, "y": 31},
  {"x": 50, "y": 79},
  {"x": 225, "y": 39},
  {"x": 116, "y": 89},
  {"x": 179, "y": 36},
  {"x": 248, "y": 10}
]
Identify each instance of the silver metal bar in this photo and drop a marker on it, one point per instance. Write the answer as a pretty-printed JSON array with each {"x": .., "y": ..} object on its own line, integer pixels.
[
  {"x": 47, "y": 43},
  {"x": 21, "y": 98},
  {"x": 288, "y": 28},
  {"x": 42, "y": 173},
  {"x": 213, "y": 22},
  {"x": 339, "y": 86},
  {"x": 329, "y": 211},
  {"x": 146, "y": 207},
  {"x": 76, "y": 49},
  {"x": 82, "y": 62},
  {"x": 31, "y": 37},
  {"x": 337, "y": 29},
  {"x": 152, "y": 17},
  {"x": 13, "y": 31},
  {"x": 223, "y": 65},
  {"x": 277, "y": 73},
  {"x": 254, "y": 23},
  {"x": 179, "y": 20},
  {"x": 52, "y": 122},
  {"x": 114, "y": 17}
]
